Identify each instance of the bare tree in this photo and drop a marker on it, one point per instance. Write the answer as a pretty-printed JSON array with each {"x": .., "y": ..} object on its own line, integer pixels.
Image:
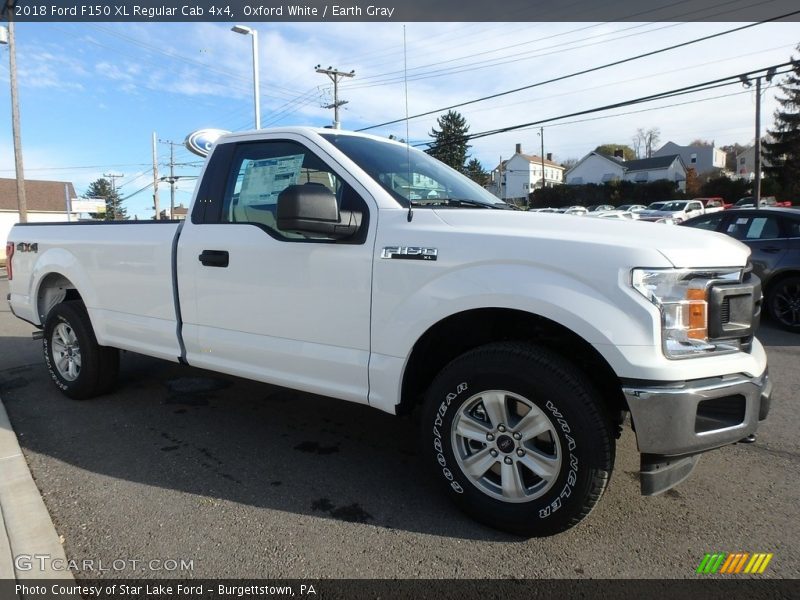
[{"x": 644, "y": 142}]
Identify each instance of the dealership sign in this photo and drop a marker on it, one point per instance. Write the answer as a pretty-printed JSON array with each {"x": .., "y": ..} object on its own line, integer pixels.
[{"x": 201, "y": 141}]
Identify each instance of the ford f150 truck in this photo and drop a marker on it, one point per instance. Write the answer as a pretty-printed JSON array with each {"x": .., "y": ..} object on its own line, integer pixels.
[{"x": 358, "y": 268}]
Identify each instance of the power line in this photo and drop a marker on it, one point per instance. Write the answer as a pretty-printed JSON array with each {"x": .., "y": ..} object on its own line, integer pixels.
[
  {"x": 716, "y": 83},
  {"x": 584, "y": 71}
]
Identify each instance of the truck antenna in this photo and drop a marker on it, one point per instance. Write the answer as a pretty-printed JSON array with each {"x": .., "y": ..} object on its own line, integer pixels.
[{"x": 408, "y": 147}]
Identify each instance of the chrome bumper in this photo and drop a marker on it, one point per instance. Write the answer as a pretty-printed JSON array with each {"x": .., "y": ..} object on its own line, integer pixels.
[{"x": 683, "y": 418}]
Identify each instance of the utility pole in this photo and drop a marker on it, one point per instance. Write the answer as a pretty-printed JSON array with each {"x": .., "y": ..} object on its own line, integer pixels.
[
  {"x": 7, "y": 36},
  {"x": 335, "y": 76},
  {"x": 757, "y": 145},
  {"x": 155, "y": 176},
  {"x": 541, "y": 135},
  {"x": 172, "y": 179},
  {"x": 500, "y": 179},
  {"x": 113, "y": 177}
]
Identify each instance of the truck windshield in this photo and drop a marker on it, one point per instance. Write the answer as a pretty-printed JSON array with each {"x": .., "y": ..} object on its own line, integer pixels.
[{"x": 413, "y": 176}]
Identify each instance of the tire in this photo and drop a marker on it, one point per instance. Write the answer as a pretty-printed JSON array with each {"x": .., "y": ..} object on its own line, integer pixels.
[
  {"x": 78, "y": 365},
  {"x": 565, "y": 436},
  {"x": 783, "y": 301}
]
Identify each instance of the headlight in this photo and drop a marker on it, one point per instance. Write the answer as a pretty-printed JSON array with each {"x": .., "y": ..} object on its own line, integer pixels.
[{"x": 682, "y": 297}]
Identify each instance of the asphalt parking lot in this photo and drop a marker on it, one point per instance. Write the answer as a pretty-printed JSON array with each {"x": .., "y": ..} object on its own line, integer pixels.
[{"x": 249, "y": 480}]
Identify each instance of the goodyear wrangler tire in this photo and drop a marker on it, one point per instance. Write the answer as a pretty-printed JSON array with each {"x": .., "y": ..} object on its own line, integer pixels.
[
  {"x": 518, "y": 438},
  {"x": 78, "y": 365}
]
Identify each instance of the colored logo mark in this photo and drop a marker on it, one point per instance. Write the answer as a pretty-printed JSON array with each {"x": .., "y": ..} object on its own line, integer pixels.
[{"x": 734, "y": 563}]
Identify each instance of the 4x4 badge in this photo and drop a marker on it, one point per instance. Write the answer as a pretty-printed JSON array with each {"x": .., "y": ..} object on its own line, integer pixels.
[{"x": 409, "y": 252}]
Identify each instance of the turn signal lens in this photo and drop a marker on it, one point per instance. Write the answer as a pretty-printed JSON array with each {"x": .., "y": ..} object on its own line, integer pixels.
[{"x": 697, "y": 308}]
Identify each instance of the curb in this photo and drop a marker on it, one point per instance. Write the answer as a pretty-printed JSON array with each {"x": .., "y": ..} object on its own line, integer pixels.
[{"x": 25, "y": 524}]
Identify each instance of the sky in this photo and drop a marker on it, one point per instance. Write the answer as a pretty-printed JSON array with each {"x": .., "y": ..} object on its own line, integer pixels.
[{"x": 92, "y": 94}]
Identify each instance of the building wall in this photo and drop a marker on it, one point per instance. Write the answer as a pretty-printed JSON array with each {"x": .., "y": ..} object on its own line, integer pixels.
[
  {"x": 8, "y": 219},
  {"x": 675, "y": 172},
  {"x": 592, "y": 170},
  {"x": 700, "y": 158}
]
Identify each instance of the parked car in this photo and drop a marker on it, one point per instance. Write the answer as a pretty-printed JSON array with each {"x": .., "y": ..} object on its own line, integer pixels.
[
  {"x": 677, "y": 210},
  {"x": 773, "y": 235},
  {"x": 612, "y": 214},
  {"x": 766, "y": 201},
  {"x": 632, "y": 208},
  {"x": 574, "y": 210},
  {"x": 596, "y": 207},
  {"x": 715, "y": 204}
]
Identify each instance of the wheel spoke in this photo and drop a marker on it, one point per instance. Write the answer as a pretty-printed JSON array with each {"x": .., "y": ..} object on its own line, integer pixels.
[
  {"x": 513, "y": 487},
  {"x": 472, "y": 430},
  {"x": 76, "y": 358},
  {"x": 71, "y": 369},
  {"x": 58, "y": 347},
  {"x": 532, "y": 425},
  {"x": 496, "y": 410},
  {"x": 61, "y": 364},
  {"x": 477, "y": 464},
  {"x": 540, "y": 464},
  {"x": 60, "y": 333}
]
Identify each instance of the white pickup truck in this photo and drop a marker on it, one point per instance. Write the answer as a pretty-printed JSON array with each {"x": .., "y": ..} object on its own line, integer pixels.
[{"x": 358, "y": 268}]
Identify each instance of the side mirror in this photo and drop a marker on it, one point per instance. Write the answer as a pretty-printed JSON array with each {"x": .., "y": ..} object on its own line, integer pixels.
[{"x": 312, "y": 209}]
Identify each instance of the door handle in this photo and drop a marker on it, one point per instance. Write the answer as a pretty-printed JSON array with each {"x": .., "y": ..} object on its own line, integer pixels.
[{"x": 214, "y": 258}]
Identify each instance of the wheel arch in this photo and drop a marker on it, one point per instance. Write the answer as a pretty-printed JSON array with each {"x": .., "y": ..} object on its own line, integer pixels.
[
  {"x": 463, "y": 331},
  {"x": 53, "y": 289}
]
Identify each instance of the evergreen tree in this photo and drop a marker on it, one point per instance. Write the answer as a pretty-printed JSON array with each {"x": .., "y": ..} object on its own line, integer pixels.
[
  {"x": 102, "y": 188},
  {"x": 476, "y": 172},
  {"x": 450, "y": 145},
  {"x": 783, "y": 152}
]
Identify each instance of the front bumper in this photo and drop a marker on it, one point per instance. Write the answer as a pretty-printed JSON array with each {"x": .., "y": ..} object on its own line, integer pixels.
[
  {"x": 688, "y": 417},
  {"x": 675, "y": 422}
]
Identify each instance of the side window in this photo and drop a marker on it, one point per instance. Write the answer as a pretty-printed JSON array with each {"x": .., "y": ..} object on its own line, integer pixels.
[
  {"x": 709, "y": 223},
  {"x": 260, "y": 171},
  {"x": 754, "y": 228},
  {"x": 792, "y": 228}
]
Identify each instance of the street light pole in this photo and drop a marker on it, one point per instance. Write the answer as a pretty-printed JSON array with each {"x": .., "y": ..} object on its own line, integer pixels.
[
  {"x": 22, "y": 201},
  {"x": 541, "y": 135},
  {"x": 244, "y": 30}
]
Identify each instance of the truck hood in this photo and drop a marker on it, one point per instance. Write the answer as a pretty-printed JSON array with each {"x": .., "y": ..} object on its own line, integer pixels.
[{"x": 684, "y": 247}]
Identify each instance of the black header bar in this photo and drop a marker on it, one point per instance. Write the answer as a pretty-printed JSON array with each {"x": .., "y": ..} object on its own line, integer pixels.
[{"x": 400, "y": 10}]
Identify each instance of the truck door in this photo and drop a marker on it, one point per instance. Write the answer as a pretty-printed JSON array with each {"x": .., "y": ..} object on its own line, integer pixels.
[{"x": 272, "y": 305}]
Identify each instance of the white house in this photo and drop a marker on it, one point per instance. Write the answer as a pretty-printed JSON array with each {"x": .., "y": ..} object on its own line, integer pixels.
[
  {"x": 700, "y": 158},
  {"x": 746, "y": 163},
  {"x": 598, "y": 168},
  {"x": 595, "y": 168},
  {"x": 46, "y": 200},
  {"x": 518, "y": 176}
]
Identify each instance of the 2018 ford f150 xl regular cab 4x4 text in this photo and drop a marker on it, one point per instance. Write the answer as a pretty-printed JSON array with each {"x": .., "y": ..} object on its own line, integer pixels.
[{"x": 358, "y": 268}]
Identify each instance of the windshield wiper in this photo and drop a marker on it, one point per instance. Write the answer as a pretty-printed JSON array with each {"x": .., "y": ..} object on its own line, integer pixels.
[{"x": 459, "y": 202}]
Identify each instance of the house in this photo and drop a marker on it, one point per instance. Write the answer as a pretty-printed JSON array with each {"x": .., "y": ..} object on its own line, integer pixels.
[
  {"x": 746, "y": 163},
  {"x": 518, "y": 176},
  {"x": 179, "y": 213},
  {"x": 46, "y": 201},
  {"x": 700, "y": 158},
  {"x": 598, "y": 168}
]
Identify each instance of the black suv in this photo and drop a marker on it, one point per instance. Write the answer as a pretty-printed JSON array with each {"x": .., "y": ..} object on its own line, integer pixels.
[{"x": 773, "y": 234}]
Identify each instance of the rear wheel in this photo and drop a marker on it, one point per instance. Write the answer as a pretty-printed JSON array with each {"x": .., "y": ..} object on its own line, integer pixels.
[
  {"x": 79, "y": 366},
  {"x": 784, "y": 303},
  {"x": 518, "y": 438}
]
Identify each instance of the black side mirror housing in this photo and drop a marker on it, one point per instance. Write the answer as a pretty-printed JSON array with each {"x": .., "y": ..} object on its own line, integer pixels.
[{"x": 312, "y": 209}]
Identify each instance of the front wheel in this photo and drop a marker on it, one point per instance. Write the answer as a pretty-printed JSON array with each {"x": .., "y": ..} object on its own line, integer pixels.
[
  {"x": 78, "y": 365},
  {"x": 783, "y": 300},
  {"x": 518, "y": 438}
]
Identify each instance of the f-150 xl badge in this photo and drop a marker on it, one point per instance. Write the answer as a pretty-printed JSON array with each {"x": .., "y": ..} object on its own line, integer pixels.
[{"x": 410, "y": 253}]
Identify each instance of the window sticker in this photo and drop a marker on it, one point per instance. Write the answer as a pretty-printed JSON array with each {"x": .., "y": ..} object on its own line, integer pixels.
[
  {"x": 756, "y": 227},
  {"x": 264, "y": 179}
]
